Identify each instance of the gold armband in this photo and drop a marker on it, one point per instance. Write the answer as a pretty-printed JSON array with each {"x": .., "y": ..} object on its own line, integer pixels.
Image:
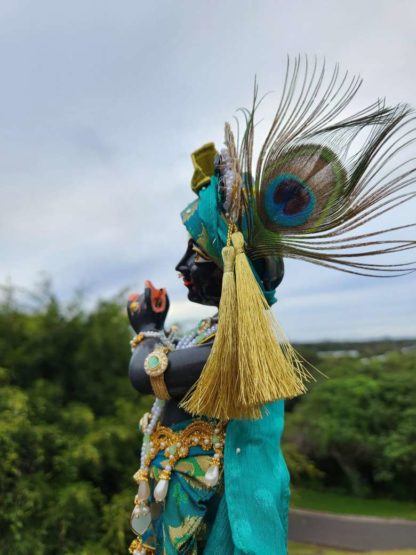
[{"x": 155, "y": 366}]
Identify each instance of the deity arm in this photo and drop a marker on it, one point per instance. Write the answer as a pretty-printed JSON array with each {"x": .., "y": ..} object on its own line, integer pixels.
[{"x": 185, "y": 367}]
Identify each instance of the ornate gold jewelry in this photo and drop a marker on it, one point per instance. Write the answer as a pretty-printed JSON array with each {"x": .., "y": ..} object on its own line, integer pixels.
[
  {"x": 138, "y": 547},
  {"x": 136, "y": 341},
  {"x": 176, "y": 445},
  {"x": 204, "y": 324},
  {"x": 141, "y": 475},
  {"x": 155, "y": 366}
]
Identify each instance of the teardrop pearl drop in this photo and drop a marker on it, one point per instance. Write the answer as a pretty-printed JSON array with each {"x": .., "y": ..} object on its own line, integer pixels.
[
  {"x": 161, "y": 490},
  {"x": 212, "y": 475},
  {"x": 144, "y": 490},
  {"x": 140, "y": 523}
]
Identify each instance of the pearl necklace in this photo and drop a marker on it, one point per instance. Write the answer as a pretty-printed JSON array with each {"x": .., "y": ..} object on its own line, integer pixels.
[
  {"x": 141, "y": 518},
  {"x": 196, "y": 337},
  {"x": 186, "y": 342}
]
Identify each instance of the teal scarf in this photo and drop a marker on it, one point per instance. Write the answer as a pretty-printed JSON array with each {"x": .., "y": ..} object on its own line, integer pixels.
[{"x": 252, "y": 517}]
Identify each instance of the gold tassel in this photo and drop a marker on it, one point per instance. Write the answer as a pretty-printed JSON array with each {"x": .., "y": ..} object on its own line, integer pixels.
[
  {"x": 246, "y": 367},
  {"x": 267, "y": 371},
  {"x": 214, "y": 393}
]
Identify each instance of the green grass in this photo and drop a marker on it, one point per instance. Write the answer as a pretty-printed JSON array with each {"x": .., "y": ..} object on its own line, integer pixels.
[
  {"x": 337, "y": 503},
  {"x": 301, "y": 549}
]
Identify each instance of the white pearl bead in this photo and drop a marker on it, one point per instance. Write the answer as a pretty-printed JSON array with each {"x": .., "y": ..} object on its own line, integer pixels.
[
  {"x": 212, "y": 475},
  {"x": 144, "y": 490},
  {"x": 161, "y": 490}
]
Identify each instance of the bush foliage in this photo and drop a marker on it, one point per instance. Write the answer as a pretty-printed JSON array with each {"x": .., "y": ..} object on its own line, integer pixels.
[
  {"x": 68, "y": 429},
  {"x": 358, "y": 426},
  {"x": 69, "y": 442}
]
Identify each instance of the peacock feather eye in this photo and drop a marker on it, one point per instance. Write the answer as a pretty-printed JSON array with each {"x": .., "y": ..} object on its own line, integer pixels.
[
  {"x": 288, "y": 201},
  {"x": 292, "y": 195}
]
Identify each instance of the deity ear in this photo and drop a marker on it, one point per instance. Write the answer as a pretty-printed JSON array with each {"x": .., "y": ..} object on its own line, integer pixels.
[{"x": 203, "y": 161}]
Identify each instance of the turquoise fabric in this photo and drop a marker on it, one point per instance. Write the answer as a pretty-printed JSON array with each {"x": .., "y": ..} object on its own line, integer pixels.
[
  {"x": 190, "y": 505},
  {"x": 251, "y": 515},
  {"x": 252, "y": 518},
  {"x": 207, "y": 227}
]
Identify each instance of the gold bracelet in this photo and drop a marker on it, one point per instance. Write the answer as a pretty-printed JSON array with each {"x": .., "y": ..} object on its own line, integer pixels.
[{"x": 155, "y": 366}]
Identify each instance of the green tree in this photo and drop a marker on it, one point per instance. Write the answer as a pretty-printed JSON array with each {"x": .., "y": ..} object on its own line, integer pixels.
[
  {"x": 69, "y": 442},
  {"x": 357, "y": 427}
]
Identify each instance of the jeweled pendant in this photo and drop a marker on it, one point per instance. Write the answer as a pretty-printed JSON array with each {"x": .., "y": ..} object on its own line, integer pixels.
[
  {"x": 161, "y": 490},
  {"x": 212, "y": 475},
  {"x": 139, "y": 524}
]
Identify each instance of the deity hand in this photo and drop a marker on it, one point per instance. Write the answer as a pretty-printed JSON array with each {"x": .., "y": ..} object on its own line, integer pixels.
[{"x": 147, "y": 311}]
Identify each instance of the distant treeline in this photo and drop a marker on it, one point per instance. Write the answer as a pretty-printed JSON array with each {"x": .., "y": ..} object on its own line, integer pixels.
[
  {"x": 363, "y": 348},
  {"x": 69, "y": 441}
]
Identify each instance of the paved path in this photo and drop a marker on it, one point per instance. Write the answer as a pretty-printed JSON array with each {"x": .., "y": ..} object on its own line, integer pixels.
[{"x": 363, "y": 533}]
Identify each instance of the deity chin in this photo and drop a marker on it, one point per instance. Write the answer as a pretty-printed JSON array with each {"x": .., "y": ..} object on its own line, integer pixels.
[{"x": 204, "y": 295}]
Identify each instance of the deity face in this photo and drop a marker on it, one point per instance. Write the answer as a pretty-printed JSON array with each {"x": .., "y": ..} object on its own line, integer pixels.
[{"x": 201, "y": 276}]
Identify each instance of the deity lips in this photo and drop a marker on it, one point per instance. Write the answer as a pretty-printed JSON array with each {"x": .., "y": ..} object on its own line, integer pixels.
[{"x": 186, "y": 279}]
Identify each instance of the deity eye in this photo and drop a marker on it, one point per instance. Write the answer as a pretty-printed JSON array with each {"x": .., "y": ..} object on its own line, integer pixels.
[{"x": 200, "y": 256}]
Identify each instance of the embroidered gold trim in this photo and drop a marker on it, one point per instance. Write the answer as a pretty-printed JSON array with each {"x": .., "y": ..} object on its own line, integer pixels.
[{"x": 176, "y": 445}]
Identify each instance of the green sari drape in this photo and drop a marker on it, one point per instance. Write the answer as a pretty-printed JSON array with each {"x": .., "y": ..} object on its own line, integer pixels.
[{"x": 246, "y": 514}]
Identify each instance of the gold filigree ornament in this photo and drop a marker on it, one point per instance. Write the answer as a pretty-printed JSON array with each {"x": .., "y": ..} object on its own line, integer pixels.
[
  {"x": 137, "y": 547},
  {"x": 176, "y": 446}
]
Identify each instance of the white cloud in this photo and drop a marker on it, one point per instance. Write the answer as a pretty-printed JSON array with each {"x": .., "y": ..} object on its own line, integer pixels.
[{"x": 102, "y": 103}]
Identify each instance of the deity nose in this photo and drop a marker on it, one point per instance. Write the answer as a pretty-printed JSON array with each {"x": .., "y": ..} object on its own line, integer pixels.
[{"x": 181, "y": 265}]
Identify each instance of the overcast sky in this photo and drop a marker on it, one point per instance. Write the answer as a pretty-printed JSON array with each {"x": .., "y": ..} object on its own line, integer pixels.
[{"x": 102, "y": 103}]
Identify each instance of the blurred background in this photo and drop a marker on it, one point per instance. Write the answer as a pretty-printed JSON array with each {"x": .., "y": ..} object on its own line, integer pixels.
[{"x": 101, "y": 105}]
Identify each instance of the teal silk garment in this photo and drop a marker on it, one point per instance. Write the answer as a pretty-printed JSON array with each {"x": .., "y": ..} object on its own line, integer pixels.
[
  {"x": 247, "y": 514},
  {"x": 252, "y": 517},
  {"x": 182, "y": 524}
]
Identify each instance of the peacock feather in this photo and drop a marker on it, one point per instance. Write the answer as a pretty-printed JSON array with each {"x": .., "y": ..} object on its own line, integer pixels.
[{"x": 321, "y": 175}]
